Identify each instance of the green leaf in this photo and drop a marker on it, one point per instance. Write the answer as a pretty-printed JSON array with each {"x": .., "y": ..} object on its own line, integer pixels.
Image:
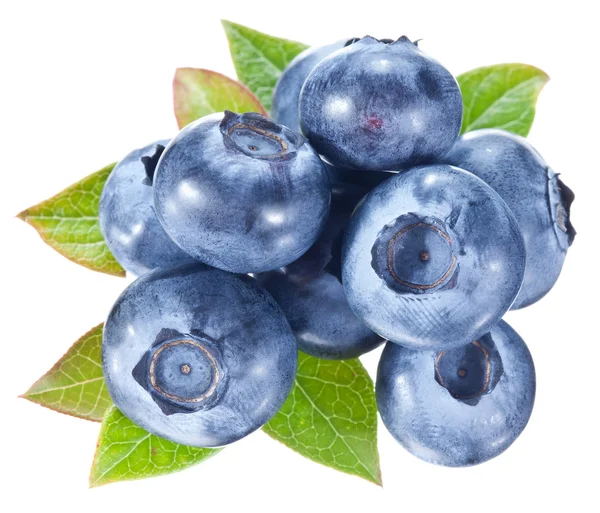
[
  {"x": 501, "y": 96},
  {"x": 75, "y": 385},
  {"x": 331, "y": 417},
  {"x": 259, "y": 59},
  {"x": 68, "y": 222},
  {"x": 125, "y": 452},
  {"x": 199, "y": 92}
]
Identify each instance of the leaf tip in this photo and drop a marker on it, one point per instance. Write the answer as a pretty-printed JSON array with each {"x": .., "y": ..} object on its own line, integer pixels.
[
  {"x": 29, "y": 395},
  {"x": 542, "y": 75},
  {"x": 23, "y": 215},
  {"x": 373, "y": 476},
  {"x": 93, "y": 482}
]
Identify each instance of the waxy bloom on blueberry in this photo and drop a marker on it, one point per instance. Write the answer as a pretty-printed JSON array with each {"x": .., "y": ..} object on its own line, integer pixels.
[
  {"x": 461, "y": 406},
  {"x": 197, "y": 355},
  {"x": 540, "y": 201},
  {"x": 319, "y": 315},
  {"x": 241, "y": 193},
  {"x": 432, "y": 258},
  {"x": 286, "y": 96},
  {"x": 127, "y": 219},
  {"x": 380, "y": 105}
]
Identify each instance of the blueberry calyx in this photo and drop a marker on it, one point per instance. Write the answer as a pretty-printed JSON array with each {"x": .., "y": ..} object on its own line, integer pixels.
[
  {"x": 150, "y": 162},
  {"x": 471, "y": 371},
  {"x": 414, "y": 255},
  {"x": 567, "y": 197},
  {"x": 258, "y": 137},
  {"x": 181, "y": 372},
  {"x": 386, "y": 41},
  {"x": 560, "y": 197}
]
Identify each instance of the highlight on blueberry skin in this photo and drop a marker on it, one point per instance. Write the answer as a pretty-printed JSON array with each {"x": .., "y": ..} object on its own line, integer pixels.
[
  {"x": 539, "y": 199},
  {"x": 128, "y": 222},
  {"x": 286, "y": 95},
  {"x": 432, "y": 258},
  {"x": 198, "y": 356},
  {"x": 461, "y": 406},
  {"x": 380, "y": 105},
  {"x": 320, "y": 317},
  {"x": 241, "y": 193}
]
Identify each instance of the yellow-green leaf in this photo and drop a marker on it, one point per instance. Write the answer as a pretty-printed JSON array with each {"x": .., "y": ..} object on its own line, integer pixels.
[
  {"x": 259, "y": 59},
  {"x": 75, "y": 385},
  {"x": 501, "y": 96},
  {"x": 125, "y": 452},
  {"x": 68, "y": 222},
  {"x": 199, "y": 92},
  {"x": 331, "y": 417}
]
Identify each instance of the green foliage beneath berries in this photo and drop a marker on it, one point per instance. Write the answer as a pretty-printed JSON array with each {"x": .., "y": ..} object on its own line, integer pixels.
[
  {"x": 75, "y": 385},
  {"x": 259, "y": 59},
  {"x": 502, "y": 96},
  {"x": 199, "y": 92},
  {"x": 125, "y": 452},
  {"x": 331, "y": 417},
  {"x": 68, "y": 222}
]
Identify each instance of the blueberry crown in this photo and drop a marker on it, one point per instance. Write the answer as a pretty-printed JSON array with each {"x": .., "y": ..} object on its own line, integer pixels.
[
  {"x": 150, "y": 162},
  {"x": 567, "y": 196},
  {"x": 386, "y": 41},
  {"x": 258, "y": 137}
]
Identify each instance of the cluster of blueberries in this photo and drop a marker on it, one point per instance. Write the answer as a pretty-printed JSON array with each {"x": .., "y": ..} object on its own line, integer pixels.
[{"x": 357, "y": 216}]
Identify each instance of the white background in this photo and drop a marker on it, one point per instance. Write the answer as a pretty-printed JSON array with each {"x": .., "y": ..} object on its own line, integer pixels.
[{"x": 83, "y": 83}]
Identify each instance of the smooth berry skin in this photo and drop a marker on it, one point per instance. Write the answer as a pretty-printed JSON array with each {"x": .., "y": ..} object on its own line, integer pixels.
[
  {"x": 432, "y": 258},
  {"x": 539, "y": 199},
  {"x": 375, "y": 106},
  {"x": 219, "y": 349},
  {"x": 320, "y": 317},
  {"x": 286, "y": 95},
  {"x": 428, "y": 420},
  {"x": 241, "y": 193},
  {"x": 128, "y": 222}
]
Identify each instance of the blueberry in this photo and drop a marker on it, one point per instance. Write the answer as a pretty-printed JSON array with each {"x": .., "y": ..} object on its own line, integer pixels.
[
  {"x": 458, "y": 407},
  {"x": 197, "y": 355},
  {"x": 539, "y": 199},
  {"x": 320, "y": 317},
  {"x": 380, "y": 106},
  {"x": 127, "y": 220},
  {"x": 287, "y": 91},
  {"x": 347, "y": 189},
  {"x": 241, "y": 193},
  {"x": 432, "y": 258}
]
